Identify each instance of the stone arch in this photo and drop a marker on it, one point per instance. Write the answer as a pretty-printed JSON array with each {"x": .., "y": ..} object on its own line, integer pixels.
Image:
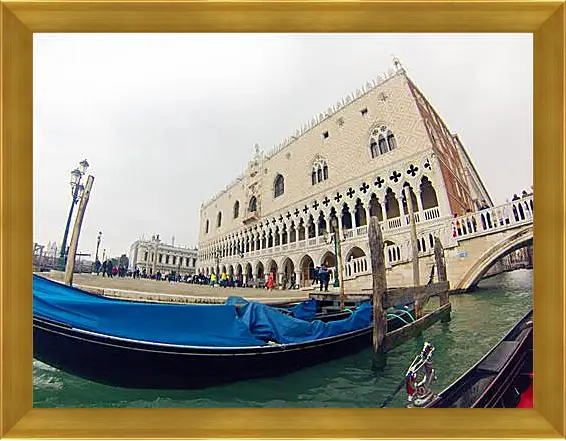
[
  {"x": 375, "y": 207},
  {"x": 301, "y": 230},
  {"x": 272, "y": 267},
  {"x": 329, "y": 259},
  {"x": 356, "y": 262},
  {"x": 429, "y": 198},
  {"x": 322, "y": 224},
  {"x": 346, "y": 217},
  {"x": 249, "y": 272},
  {"x": 360, "y": 213},
  {"x": 495, "y": 253},
  {"x": 391, "y": 204},
  {"x": 413, "y": 199},
  {"x": 259, "y": 270},
  {"x": 311, "y": 230},
  {"x": 284, "y": 234},
  {"x": 306, "y": 266},
  {"x": 292, "y": 232},
  {"x": 223, "y": 268},
  {"x": 354, "y": 253},
  {"x": 288, "y": 270},
  {"x": 332, "y": 219},
  {"x": 230, "y": 270}
]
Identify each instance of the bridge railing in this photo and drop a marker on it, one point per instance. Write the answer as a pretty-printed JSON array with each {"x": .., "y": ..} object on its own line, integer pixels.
[{"x": 492, "y": 219}]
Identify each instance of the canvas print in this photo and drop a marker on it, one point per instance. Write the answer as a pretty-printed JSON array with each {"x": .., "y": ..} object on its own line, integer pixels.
[{"x": 283, "y": 220}]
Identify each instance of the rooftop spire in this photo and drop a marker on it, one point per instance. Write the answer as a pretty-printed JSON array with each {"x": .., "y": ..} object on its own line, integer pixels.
[{"x": 397, "y": 63}]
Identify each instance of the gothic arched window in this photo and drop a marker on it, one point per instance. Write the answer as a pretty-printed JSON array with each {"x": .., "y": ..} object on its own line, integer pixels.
[
  {"x": 382, "y": 145},
  {"x": 236, "y": 209},
  {"x": 253, "y": 204},
  {"x": 391, "y": 140},
  {"x": 219, "y": 219},
  {"x": 319, "y": 170},
  {"x": 382, "y": 140},
  {"x": 279, "y": 187},
  {"x": 207, "y": 225},
  {"x": 373, "y": 148}
]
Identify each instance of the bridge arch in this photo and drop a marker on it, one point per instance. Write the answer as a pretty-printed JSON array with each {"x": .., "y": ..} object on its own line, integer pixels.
[{"x": 499, "y": 250}]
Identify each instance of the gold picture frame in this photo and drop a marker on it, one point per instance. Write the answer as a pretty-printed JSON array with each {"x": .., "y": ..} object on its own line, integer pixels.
[{"x": 19, "y": 19}]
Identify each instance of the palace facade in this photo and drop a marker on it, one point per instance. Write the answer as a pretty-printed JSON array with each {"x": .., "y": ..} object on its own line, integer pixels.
[
  {"x": 154, "y": 255},
  {"x": 358, "y": 159}
]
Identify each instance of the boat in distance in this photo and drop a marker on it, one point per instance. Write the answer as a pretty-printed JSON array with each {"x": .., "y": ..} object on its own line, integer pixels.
[{"x": 160, "y": 346}]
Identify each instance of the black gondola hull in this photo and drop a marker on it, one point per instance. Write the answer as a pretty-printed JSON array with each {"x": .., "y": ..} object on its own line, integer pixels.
[
  {"x": 135, "y": 364},
  {"x": 498, "y": 379}
]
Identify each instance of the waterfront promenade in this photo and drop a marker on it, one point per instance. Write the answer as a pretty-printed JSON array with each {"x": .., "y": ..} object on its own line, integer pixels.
[{"x": 153, "y": 290}]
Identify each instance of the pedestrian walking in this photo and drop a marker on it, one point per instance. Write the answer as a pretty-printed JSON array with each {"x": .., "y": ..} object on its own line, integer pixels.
[
  {"x": 324, "y": 276},
  {"x": 270, "y": 281}
]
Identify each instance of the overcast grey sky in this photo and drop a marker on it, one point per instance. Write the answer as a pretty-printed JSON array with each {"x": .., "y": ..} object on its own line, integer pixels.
[{"x": 166, "y": 120}]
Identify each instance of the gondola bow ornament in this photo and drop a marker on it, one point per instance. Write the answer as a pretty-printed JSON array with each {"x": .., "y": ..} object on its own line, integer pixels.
[{"x": 419, "y": 378}]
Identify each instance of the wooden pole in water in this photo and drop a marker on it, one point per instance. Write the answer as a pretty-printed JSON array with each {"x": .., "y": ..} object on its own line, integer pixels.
[
  {"x": 379, "y": 285},
  {"x": 414, "y": 245},
  {"x": 340, "y": 269},
  {"x": 441, "y": 271},
  {"x": 439, "y": 259},
  {"x": 77, "y": 231}
]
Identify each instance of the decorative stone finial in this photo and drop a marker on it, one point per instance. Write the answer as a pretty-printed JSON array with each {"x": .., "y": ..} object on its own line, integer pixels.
[{"x": 397, "y": 63}]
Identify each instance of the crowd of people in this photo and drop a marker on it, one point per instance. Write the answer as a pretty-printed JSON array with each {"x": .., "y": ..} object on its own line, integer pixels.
[
  {"x": 321, "y": 276},
  {"x": 108, "y": 269}
]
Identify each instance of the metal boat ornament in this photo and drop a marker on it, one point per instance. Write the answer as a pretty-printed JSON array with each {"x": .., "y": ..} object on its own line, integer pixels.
[{"x": 419, "y": 378}]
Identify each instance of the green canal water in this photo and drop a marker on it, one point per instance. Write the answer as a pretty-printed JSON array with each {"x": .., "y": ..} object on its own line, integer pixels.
[{"x": 479, "y": 320}]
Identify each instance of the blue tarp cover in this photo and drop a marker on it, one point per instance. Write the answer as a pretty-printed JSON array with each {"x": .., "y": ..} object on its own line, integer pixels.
[
  {"x": 305, "y": 310},
  {"x": 237, "y": 323}
]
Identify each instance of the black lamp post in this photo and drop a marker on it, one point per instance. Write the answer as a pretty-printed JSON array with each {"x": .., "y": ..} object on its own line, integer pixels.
[
  {"x": 76, "y": 188},
  {"x": 98, "y": 245},
  {"x": 336, "y": 238}
]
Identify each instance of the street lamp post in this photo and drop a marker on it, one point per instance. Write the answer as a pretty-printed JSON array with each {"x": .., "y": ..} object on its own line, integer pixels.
[
  {"x": 339, "y": 268},
  {"x": 97, "y": 245},
  {"x": 76, "y": 176}
]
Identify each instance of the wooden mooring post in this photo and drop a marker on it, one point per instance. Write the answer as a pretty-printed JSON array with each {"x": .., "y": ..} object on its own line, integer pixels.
[
  {"x": 379, "y": 287},
  {"x": 442, "y": 276},
  {"x": 384, "y": 298}
]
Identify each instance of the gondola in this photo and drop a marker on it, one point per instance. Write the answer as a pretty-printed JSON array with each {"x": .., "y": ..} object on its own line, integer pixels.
[
  {"x": 502, "y": 378},
  {"x": 162, "y": 346}
]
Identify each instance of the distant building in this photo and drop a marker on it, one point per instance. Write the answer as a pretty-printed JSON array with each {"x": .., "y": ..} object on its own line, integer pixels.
[{"x": 154, "y": 255}]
